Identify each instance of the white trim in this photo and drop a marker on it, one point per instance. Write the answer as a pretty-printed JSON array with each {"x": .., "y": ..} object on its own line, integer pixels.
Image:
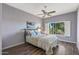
[
  {"x": 67, "y": 41},
  {"x": 12, "y": 45},
  {"x": 23, "y": 42}
]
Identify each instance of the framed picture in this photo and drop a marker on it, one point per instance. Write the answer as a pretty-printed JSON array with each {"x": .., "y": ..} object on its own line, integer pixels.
[{"x": 30, "y": 25}]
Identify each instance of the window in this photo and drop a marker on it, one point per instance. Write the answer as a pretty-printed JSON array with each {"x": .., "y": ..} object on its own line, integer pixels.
[{"x": 56, "y": 28}]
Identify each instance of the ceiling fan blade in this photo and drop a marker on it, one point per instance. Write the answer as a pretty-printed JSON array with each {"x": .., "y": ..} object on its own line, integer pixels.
[
  {"x": 51, "y": 12},
  {"x": 44, "y": 15},
  {"x": 43, "y": 11},
  {"x": 39, "y": 14},
  {"x": 49, "y": 15}
]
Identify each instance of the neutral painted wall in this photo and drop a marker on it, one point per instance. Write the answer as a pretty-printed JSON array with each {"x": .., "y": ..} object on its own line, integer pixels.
[
  {"x": 12, "y": 24},
  {"x": 0, "y": 28},
  {"x": 72, "y": 17},
  {"x": 78, "y": 28}
]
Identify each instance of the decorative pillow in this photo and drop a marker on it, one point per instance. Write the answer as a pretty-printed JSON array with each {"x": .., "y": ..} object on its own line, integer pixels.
[{"x": 35, "y": 33}]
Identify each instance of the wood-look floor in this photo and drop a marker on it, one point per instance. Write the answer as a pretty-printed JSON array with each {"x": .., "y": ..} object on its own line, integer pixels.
[{"x": 28, "y": 49}]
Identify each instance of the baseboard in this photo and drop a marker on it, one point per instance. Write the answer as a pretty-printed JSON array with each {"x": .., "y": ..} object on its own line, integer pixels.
[
  {"x": 67, "y": 41},
  {"x": 23, "y": 42},
  {"x": 12, "y": 45}
]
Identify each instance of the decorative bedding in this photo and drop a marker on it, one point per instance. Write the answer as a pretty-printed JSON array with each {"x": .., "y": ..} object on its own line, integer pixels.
[
  {"x": 32, "y": 40},
  {"x": 46, "y": 42}
]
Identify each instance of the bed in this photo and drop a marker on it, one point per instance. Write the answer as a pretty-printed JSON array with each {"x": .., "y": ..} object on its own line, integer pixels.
[{"x": 46, "y": 42}]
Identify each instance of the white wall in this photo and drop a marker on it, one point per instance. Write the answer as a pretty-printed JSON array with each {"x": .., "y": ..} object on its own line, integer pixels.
[
  {"x": 72, "y": 17},
  {"x": 78, "y": 28},
  {"x": 0, "y": 28},
  {"x": 12, "y": 24}
]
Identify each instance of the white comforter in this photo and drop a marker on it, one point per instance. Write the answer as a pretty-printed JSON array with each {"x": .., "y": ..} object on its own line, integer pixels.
[
  {"x": 47, "y": 43},
  {"x": 44, "y": 42}
]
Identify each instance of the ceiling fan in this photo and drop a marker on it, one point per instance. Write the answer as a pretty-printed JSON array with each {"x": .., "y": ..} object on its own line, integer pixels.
[{"x": 45, "y": 13}]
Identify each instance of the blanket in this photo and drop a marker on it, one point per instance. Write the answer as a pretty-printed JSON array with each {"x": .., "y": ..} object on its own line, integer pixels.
[
  {"x": 47, "y": 43},
  {"x": 44, "y": 42}
]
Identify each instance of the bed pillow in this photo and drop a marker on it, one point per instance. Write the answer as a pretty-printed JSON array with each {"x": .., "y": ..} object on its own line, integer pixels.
[{"x": 35, "y": 33}]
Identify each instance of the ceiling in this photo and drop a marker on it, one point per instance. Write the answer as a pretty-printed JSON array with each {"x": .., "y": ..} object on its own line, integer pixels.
[{"x": 35, "y": 8}]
